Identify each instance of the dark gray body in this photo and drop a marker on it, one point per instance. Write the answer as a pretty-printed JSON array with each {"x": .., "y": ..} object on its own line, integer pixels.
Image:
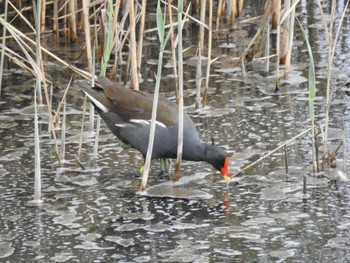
[{"x": 127, "y": 114}]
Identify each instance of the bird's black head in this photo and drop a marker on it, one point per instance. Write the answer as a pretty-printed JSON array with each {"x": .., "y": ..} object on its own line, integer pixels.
[{"x": 219, "y": 159}]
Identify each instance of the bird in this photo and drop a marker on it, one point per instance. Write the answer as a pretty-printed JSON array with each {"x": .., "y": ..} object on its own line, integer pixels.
[{"x": 127, "y": 113}]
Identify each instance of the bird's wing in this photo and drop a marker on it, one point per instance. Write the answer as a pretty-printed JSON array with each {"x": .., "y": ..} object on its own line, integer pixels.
[{"x": 137, "y": 105}]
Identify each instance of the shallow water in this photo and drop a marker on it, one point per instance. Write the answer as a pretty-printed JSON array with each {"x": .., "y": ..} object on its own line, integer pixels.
[{"x": 98, "y": 214}]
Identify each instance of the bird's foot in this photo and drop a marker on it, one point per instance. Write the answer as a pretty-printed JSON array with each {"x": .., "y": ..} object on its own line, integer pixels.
[
  {"x": 134, "y": 174},
  {"x": 164, "y": 175}
]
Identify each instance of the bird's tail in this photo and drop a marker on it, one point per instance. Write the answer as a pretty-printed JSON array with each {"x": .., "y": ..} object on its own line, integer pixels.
[{"x": 96, "y": 95}]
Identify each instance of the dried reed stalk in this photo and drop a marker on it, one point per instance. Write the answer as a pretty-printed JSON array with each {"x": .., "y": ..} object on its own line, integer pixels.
[
  {"x": 43, "y": 16},
  {"x": 55, "y": 26},
  {"x": 86, "y": 27},
  {"x": 72, "y": 21},
  {"x": 185, "y": 14},
  {"x": 220, "y": 12},
  {"x": 276, "y": 13},
  {"x": 163, "y": 41},
  {"x": 200, "y": 52},
  {"x": 81, "y": 137},
  {"x": 256, "y": 43},
  {"x": 239, "y": 7},
  {"x": 173, "y": 50},
  {"x": 278, "y": 36},
  {"x": 232, "y": 9},
  {"x": 267, "y": 48},
  {"x": 210, "y": 36},
  {"x": 65, "y": 24},
  {"x": 3, "y": 42},
  {"x": 39, "y": 78},
  {"x": 181, "y": 101},
  {"x": 331, "y": 52},
  {"x": 290, "y": 44},
  {"x": 117, "y": 42},
  {"x": 312, "y": 94},
  {"x": 133, "y": 46},
  {"x": 37, "y": 162},
  {"x": 141, "y": 35},
  {"x": 285, "y": 36}
]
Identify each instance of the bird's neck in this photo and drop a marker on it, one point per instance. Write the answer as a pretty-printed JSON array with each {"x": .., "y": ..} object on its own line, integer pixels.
[{"x": 199, "y": 152}]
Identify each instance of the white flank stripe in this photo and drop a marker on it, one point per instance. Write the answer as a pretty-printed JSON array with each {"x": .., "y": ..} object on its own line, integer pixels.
[
  {"x": 97, "y": 103},
  {"x": 121, "y": 125},
  {"x": 161, "y": 124},
  {"x": 144, "y": 122}
]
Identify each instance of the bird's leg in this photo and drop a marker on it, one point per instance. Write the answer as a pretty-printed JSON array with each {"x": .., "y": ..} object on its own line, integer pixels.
[
  {"x": 168, "y": 165},
  {"x": 123, "y": 145},
  {"x": 165, "y": 166}
]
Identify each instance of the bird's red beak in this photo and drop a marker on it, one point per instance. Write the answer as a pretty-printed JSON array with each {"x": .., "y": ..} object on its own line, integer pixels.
[{"x": 224, "y": 170}]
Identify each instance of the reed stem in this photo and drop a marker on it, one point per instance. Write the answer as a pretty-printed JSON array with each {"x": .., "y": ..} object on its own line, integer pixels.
[
  {"x": 290, "y": 42},
  {"x": 163, "y": 41},
  {"x": 141, "y": 35},
  {"x": 210, "y": 36},
  {"x": 55, "y": 25},
  {"x": 173, "y": 51},
  {"x": 72, "y": 21},
  {"x": 37, "y": 181},
  {"x": 181, "y": 102},
  {"x": 63, "y": 131},
  {"x": 133, "y": 46},
  {"x": 3, "y": 45}
]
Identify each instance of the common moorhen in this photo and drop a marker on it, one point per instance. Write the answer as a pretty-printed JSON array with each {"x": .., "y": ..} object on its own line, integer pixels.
[{"x": 127, "y": 113}]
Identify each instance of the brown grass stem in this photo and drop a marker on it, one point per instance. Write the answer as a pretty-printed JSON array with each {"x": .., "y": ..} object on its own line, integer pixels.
[{"x": 17, "y": 34}]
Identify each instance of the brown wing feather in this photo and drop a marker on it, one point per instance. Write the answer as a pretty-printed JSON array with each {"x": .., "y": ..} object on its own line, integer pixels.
[{"x": 131, "y": 104}]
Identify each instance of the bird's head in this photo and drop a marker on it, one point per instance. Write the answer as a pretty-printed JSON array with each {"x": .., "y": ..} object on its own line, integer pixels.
[
  {"x": 224, "y": 170},
  {"x": 220, "y": 160}
]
